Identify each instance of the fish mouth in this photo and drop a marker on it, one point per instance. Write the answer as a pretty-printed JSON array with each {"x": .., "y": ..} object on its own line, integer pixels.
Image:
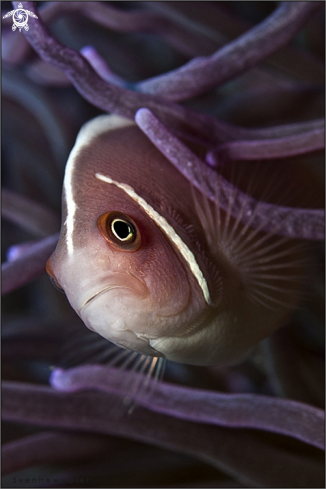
[
  {"x": 100, "y": 292},
  {"x": 138, "y": 287}
]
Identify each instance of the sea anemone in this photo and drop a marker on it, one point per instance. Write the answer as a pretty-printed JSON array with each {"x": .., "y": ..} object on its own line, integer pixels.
[{"x": 232, "y": 83}]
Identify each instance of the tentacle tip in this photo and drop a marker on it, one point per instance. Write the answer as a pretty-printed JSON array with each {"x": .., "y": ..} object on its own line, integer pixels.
[
  {"x": 142, "y": 114},
  {"x": 13, "y": 253},
  {"x": 85, "y": 50},
  {"x": 211, "y": 159},
  {"x": 59, "y": 381}
]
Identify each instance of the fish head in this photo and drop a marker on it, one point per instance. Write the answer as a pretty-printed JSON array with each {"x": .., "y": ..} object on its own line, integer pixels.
[{"x": 115, "y": 262}]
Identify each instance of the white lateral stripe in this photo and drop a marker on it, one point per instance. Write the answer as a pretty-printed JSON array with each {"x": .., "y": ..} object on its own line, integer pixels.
[
  {"x": 71, "y": 204},
  {"x": 168, "y": 230}
]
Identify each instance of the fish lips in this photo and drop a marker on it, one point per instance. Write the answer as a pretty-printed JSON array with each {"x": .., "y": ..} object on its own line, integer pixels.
[{"x": 123, "y": 281}]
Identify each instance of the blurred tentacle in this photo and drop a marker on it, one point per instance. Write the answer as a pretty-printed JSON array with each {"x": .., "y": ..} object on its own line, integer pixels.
[
  {"x": 30, "y": 215},
  {"x": 22, "y": 271},
  {"x": 202, "y": 74},
  {"x": 38, "y": 104},
  {"x": 268, "y": 149}
]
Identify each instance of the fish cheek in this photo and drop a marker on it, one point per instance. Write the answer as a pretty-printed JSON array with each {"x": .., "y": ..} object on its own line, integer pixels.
[{"x": 165, "y": 277}]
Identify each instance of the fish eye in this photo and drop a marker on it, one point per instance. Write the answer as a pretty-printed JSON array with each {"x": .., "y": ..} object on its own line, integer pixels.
[
  {"x": 52, "y": 278},
  {"x": 120, "y": 231}
]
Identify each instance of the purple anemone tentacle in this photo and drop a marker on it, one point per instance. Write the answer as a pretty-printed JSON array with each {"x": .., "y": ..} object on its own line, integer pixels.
[
  {"x": 184, "y": 40},
  {"x": 224, "y": 448},
  {"x": 100, "y": 65},
  {"x": 280, "y": 416},
  {"x": 204, "y": 73},
  {"x": 24, "y": 270},
  {"x": 40, "y": 106},
  {"x": 258, "y": 423},
  {"x": 305, "y": 142},
  {"x": 285, "y": 221},
  {"x": 30, "y": 215},
  {"x": 180, "y": 35},
  {"x": 112, "y": 98}
]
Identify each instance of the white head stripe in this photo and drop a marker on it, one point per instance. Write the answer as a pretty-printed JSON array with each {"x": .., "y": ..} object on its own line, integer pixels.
[
  {"x": 71, "y": 204},
  {"x": 88, "y": 132},
  {"x": 168, "y": 230}
]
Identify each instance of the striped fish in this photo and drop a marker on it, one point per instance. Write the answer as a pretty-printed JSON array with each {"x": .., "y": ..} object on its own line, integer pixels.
[{"x": 150, "y": 264}]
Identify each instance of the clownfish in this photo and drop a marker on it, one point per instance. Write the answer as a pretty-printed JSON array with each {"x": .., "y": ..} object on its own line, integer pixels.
[{"x": 150, "y": 264}]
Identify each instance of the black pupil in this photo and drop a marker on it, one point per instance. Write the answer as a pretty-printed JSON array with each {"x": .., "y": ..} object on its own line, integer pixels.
[{"x": 122, "y": 229}]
